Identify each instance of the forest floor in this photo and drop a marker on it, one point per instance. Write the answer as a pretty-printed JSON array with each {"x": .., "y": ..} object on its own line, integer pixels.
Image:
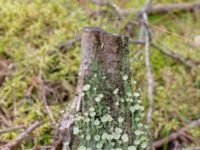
[{"x": 38, "y": 75}]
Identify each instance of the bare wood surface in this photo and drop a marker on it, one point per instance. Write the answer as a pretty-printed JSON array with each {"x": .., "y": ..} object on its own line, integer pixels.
[
  {"x": 21, "y": 136},
  {"x": 177, "y": 134}
]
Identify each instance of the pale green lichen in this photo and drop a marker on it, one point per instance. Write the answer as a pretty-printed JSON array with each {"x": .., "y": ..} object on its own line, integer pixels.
[{"x": 98, "y": 128}]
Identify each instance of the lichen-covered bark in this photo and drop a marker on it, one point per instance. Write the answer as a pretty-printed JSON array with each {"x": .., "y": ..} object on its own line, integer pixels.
[{"x": 110, "y": 52}]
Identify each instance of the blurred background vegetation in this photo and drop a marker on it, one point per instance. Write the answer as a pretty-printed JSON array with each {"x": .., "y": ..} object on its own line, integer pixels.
[{"x": 38, "y": 77}]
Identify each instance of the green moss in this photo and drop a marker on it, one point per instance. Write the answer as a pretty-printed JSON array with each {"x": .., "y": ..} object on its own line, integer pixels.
[{"x": 30, "y": 32}]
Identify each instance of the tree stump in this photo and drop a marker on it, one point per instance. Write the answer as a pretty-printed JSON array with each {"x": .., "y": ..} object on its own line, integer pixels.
[{"x": 105, "y": 114}]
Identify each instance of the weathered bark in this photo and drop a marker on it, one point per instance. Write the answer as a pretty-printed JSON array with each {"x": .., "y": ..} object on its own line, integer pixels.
[{"x": 110, "y": 51}]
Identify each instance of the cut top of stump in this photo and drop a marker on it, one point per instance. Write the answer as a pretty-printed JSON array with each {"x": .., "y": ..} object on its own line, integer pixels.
[{"x": 106, "y": 35}]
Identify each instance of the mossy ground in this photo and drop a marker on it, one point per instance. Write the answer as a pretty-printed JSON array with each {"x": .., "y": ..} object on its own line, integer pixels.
[{"x": 30, "y": 32}]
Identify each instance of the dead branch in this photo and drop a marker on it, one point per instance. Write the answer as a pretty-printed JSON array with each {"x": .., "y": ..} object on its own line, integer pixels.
[
  {"x": 152, "y": 9},
  {"x": 144, "y": 29},
  {"x": 21, "y": 136},
  {"x": 173, "y": 7},
  {"x": 160, "y": 8},
  {"x": 145, "y": 35},
  {"x": 11, "y": 129},
  {"x": 4, "y": 119},
  {"x": 40, "y": 148},
  {"x": 139, "y": 42},
  {"x": 2, "y": 142},
  {"x": 66, "y": 45},
  {"x": 188, "y": 63},
  {"x": 100, "y": 2},
  {"x": 44, "y": 99},
  {"x": 193, "y": 148},
  {"x": 43, "y": 90},
  {"x": 177, "y": 134}
]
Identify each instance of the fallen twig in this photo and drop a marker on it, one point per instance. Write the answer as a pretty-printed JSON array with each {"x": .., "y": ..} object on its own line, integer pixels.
[
  {"x": 173, "y": 7},
  {"x": 40, "y": 148},
  {"x": 64, "y": 46},
  {"x": 43, "y": 90},
  {"x": 2, "y": 131},
  {"x": 44, "y": 99},
  {"x": 193, "y": 148},
  {"x": 188, "y": 63},
  {"x": 152, "y": 9},
  {"x": 176, "y": 135},
  {"x": 4, "y": 120},
  {"x": 2, "y": 142},
  {"x": 147, "y": 60},
  {"x": 146, "y": 33},
  {"x": 100, "y": 2},
  {"x": 140, "y": 42},
  {"x": 21, "y": 136}
]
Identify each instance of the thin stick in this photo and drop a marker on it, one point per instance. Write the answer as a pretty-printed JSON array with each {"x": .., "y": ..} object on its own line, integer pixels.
[
  {"x": 149, "y": 79},
  {"x": 153, "y": 9},
  {"x": 177, "y": 134},
  {"x": 159, "y": 8},
  {"x": 14, "y": 102},
  {"x": 43, "y": 90},
  {"x": 11, "y": 129},
  {"x": 100, "y": 2},
  {"x": 48, "y": 110},
  {"x": 147, "y": 60},
  {"x": 188, "y": 63},
  {"x": 66, "y": 45},
  {"x": 21, "y": 136},
  {"x": 4, "y": 120},
  {"x": 145, "y": 31}
]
